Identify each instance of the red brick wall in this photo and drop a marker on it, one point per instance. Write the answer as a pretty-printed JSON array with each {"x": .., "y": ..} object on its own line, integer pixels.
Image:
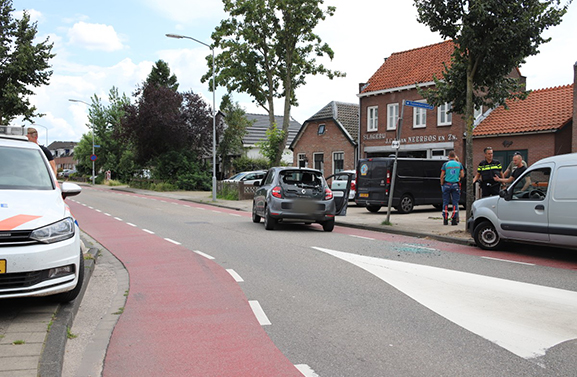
[
  {"x": 333, "y": 140},
  {"x": 538, "y": 146},
  {"x": 574, "y": 135}
]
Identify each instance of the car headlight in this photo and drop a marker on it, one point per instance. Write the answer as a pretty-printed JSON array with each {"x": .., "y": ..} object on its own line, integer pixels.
[{"x": 59, "y": 231}]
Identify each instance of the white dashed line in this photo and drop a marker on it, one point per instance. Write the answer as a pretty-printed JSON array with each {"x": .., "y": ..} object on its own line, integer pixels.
[
  {"x": 510, "y": 261},
  {"x": 186, "y": 205},
  {"x": 204, "y": 209},
  {"x": 364, "y": 238},
  {"x": 173, "y": 241},
  {"x": 306, "y": 370},
  {"x": 234, "y": 214},
  {"x": 131, "y": 224},
  {"x": 118, "y": 218},
  {"x": 259, "y": 313},
  {"x": 107, "y": 214},
  {"x": 148, "y": 231},
  {"x": 98, "y": 211},
  {"x": 90, "y": 207},
  {"x": 216, "y": 211},
  {"x": 203, "y": 254},
  {"x": 234, "y": 275}
]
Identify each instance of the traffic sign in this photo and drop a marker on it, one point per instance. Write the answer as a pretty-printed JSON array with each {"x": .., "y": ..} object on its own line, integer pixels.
[
  {"x": 96, "y": 146},
  {"x": 422, "y": 105},
  {"x": 93, "y": 157},
  {"x": 396, "y": 144}
]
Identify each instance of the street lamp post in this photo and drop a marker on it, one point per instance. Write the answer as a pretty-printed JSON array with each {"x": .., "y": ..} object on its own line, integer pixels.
[
  {"x": 92, "y": 158},
  {"x": 46, "y": 128},
  {"x": 213, "y": 112}
]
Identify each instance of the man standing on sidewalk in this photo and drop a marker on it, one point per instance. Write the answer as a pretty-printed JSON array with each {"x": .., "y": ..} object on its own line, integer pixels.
[
  {"x": 486, "y": 172},
  {"x": 451, "y": 174}
]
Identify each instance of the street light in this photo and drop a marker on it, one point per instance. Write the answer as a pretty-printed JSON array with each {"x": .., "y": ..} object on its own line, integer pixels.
[
  {"x": 46, "y": 128},
  {"x": 92, "y": 158},
  {"x": 213, "y": 112}
]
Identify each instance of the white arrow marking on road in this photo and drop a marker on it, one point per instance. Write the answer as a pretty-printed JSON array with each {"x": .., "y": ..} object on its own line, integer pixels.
[{"x": 526, "y": 319}]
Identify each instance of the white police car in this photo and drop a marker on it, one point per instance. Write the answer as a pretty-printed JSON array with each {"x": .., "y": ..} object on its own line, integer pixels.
[{"x": 40, "y": 253}]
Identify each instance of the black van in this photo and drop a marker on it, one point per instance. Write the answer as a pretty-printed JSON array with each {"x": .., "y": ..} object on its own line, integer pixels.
[{"x": 417, "y": 182}]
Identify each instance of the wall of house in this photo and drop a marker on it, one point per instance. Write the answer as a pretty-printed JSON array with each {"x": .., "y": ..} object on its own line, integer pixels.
[
  {"x": 333, "y": 140},
  {"x": 574, "y": 135},
  {"x": 538, "y": 146},
  {"x": 415, "y": 141},
  {"x": 563, "y": 139}
]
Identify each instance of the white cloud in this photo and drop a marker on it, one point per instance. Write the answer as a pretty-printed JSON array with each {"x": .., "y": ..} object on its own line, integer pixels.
[
  {"x": 94, "y": 37},
  {"x": 187, "y": 11}
]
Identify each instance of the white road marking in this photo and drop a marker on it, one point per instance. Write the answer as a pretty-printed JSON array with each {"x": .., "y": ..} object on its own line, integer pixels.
[
  {"x": 234, "y": 214},
  {"x": 510, "y": 261},
  {"x": 131, "y": 224},
  {"x": 98, "y": 211},
  {"x": 526, "y": 319},
  {"x": 364, "y": 238},
  {"x": 234, "y": 275},
  {"x": 306, "y": 370},
  {"x": 203, "y": 254},
  {"x": 204, "y": 209},
  {"x": 90, "y": 207},
  {"x": 118, "y": 218},
  {"x": 148, "y": 231},
  {"x": 107, "y": 214},
  {"x": 186, "y": 205},
  {"x": 216, "y": 211},
  {"x": 259, "y": 313},
  {"x": 173, "y": 241}
]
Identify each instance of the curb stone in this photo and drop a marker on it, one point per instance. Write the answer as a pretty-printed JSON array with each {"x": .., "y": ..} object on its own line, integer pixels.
[{"x": 52, "y": 355}]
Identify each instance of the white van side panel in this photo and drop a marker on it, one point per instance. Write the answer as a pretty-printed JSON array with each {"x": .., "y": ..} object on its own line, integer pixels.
[{"x": 563, "y": 206}]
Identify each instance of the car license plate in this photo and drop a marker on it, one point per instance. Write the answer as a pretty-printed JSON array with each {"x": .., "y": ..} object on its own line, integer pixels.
[
  {"x": 2, "y": 266},
  {"x": 364, "y": 195}
]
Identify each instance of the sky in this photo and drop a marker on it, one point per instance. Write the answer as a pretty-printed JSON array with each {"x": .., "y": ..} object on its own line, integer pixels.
[{"x": 101, "y": 44}]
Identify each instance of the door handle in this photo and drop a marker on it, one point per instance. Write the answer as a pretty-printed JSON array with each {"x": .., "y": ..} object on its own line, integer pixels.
[{"x": 540, "y": 207}]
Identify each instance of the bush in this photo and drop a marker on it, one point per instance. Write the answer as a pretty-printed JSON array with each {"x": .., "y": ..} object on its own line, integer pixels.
[
  {"x": 249, "y": 164},
  {"x": 228, "y": 191}
]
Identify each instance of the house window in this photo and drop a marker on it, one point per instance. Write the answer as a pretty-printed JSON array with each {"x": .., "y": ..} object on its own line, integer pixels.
[
  {"x": 372, "y": 118},
  {"x": 419, "y": 117},
  {"x": 444, "y": 117},
  {"x": 319, "y": 161},
  {"x": 338, "y": 162},
  {"x": 321, "y": 129},
  {"x": 392, "y": 116},
  {"x": 478, "y": 112},
  {"x": 302, "y": 160}
]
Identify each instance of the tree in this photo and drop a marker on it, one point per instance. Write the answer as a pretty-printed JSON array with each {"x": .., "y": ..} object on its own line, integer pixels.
[
  {"x": 23, "y": 64},
  {"x": 230, "y": 143},
  {"x": 160, "y": 75},
  {"x": 492, "y": 37},
  {"x": 266, "y": 52}
]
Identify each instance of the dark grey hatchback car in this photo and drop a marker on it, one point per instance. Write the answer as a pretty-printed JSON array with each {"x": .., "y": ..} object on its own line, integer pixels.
[{"x": 290, "y": 194}]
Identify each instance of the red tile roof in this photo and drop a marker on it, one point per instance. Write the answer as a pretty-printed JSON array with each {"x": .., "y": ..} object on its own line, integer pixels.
[
  {"x": 410, "y": 67},
  {"x": 543, "y": 110}
]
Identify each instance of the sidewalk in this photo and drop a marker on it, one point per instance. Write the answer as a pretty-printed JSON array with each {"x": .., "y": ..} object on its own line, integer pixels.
[{"x": 423, "y": 222}]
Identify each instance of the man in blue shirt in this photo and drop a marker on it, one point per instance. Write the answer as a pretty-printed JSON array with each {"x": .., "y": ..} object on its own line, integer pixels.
[{"x": 451, "y": 174}]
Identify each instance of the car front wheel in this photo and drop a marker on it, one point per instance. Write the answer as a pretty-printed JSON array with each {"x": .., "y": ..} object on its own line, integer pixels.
[
  {"x": 255, "y": 217},
  {"x": 486, "y": 236}
]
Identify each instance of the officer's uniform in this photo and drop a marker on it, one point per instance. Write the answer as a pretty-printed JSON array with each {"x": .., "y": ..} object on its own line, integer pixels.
[{"x": 488, "y": 171}]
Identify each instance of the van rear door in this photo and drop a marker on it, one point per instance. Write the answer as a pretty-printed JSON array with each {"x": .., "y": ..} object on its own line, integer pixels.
[{"x": 373, "y": 180}]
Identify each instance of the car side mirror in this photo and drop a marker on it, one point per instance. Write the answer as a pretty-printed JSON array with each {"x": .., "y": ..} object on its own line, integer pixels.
[{"x": 505, "y": 194}]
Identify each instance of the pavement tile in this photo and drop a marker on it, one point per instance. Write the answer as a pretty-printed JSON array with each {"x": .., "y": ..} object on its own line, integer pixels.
[
  {"x": 19, "y": 350},
  {"x": 28, "y": 337}
]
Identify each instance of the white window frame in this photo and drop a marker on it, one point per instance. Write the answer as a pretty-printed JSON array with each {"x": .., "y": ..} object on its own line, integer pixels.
[
  {"x": 334, "y": 155},
  {"x": 301, "y": 157},
  {"x": 419, "y": 116},
  {"x": 477, "y": 112},
  {"x": 392, "y": 116},
  {"x": 372, "y": 118},
  {"x": 444, "y": 117}
]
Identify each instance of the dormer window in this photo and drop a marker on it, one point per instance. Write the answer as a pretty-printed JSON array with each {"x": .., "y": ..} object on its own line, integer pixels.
[{"x": 321, "y": 129}]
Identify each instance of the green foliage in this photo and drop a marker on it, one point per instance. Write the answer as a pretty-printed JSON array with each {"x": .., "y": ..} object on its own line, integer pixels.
[
  {"x": 182, "y": 169},
  {"x": 492, "y": 38},
  {"x": 160, "y": 75},
  {"x": 230, "y": 143},
  {"x": 249, "y": 164},
  {"x": 274, "y": 141},
  {"x": 24, "y": 65},
  {"x": 228, "y": 191},
  {"x": 269, "y": 48}
]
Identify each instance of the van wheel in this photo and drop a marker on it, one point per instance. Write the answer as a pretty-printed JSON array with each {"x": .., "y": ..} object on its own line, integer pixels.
[
  {"x": 255, "y": 217},
  {"x": 406, "y": 204},
  {"x": 269, "y": 221},
  {"x": 373, "y": 209},
  {"x": 486, "y": 236}
]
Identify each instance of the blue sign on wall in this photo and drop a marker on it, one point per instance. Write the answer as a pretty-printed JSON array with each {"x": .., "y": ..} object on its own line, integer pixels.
[{"x": 422, "y": 105}]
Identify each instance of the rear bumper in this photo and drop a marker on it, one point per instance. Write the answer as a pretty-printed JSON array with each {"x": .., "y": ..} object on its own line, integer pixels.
[{"x": 305, "y": 210}]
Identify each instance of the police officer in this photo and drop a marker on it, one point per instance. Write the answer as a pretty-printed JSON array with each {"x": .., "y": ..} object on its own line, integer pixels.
[{"x": 486, "y": 172}]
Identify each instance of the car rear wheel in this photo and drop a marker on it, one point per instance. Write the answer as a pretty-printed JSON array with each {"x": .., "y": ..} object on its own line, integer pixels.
[
  {"x": 406, "y": 204},
  {"x": 486, "y": 236},
  {"x": 269, "y": 221},
  {"x": 329, "y": 225},
  {"x": 71, "y": 295},
  {"x": 255, "y": 217},
  {"x": 373, "y": 209}
]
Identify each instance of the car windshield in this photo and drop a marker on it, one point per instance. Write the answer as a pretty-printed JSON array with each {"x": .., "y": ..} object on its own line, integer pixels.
[
  {"x": 236, "y": 177},
  {"x": 23, "y": 169}
]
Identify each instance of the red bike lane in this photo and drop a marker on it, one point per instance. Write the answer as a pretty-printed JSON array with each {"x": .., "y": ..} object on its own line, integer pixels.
[{"x": 184, "y": 315}]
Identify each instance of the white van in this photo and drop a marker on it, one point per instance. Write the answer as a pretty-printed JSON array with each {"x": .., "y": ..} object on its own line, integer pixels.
[{"x": 539, "y": 207}]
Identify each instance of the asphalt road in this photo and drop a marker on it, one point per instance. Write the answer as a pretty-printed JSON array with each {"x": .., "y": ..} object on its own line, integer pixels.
[{"x": 359, "y": 303}]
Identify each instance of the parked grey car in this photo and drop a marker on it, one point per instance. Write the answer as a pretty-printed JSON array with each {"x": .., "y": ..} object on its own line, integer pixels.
[{"x": 290, "y": 194}]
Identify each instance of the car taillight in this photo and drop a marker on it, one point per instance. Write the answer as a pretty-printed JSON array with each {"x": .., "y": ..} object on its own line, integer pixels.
[
  {"x": 353, "y": 185},
  {"x": 328, "y": 194},
  {"x": 276, "y": 192},
  {"x": 388, "y": 177}
]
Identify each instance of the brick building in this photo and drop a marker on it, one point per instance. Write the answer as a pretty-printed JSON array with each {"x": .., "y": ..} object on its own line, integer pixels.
[
  {"x": 328, "y": 140},
  {"x": 424, "y": 133}
]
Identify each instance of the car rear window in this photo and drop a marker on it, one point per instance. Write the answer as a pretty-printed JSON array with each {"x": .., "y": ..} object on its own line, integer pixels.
[
  {"x": 23, "y": 169},
  {"x": 299, "y": 177}
]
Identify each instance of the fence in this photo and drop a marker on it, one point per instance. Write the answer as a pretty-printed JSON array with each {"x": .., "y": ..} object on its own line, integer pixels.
[{"x": 243, "y": 192}]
